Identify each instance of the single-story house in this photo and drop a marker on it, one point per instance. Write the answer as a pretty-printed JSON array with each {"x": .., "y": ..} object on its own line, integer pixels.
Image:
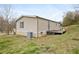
[{"x": 35, "y": 24}]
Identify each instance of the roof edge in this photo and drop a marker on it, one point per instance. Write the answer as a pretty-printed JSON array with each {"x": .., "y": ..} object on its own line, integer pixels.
[{"x": 35, "y": 17}]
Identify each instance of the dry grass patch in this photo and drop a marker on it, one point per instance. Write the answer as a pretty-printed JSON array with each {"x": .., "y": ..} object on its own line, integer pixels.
[{"x": 59, "y": 44}]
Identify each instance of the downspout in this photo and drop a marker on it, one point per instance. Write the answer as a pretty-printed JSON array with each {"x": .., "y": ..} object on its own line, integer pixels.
[
  {"x": 48, "y": 25},
  {"x": 37, "y": 27}
]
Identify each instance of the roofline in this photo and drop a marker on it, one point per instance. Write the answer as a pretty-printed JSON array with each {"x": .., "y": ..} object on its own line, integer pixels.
[
  {"x": 36, "y": 17},
  {"x": 46, "y": 19}
]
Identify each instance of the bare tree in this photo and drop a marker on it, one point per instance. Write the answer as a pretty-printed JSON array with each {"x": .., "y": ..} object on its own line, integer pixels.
[
  {"x": 1, "y": 24},
  {"x": 7, "y": 14},
  {"x": 13, "y": 26}
]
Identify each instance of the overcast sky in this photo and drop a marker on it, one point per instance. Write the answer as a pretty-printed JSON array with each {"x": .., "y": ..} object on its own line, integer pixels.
[{"x": 50, "y": 11}]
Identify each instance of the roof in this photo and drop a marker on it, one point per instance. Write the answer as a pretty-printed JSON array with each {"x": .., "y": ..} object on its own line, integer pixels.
[{"x": 36, "y": 17}]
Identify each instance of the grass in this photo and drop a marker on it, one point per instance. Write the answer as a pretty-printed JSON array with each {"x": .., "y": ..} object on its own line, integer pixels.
[{"x": 67, "y": 43}]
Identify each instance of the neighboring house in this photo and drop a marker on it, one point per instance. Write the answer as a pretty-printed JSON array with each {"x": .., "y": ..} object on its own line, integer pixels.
[{"x": 35, "y": 24}]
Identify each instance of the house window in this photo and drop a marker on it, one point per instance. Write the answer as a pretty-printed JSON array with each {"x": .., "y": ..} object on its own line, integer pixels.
[
  {"x": 41, "y": 33},
  {"x": 21, "y": 24}
]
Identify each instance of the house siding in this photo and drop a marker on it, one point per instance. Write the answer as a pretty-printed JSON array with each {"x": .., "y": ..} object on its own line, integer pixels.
[
  {"x": 42, "y": 27},
  {"x": 39, "y": 26},
  {"x": 30, "y": 25},
  {"x": 54, "y": 26}
]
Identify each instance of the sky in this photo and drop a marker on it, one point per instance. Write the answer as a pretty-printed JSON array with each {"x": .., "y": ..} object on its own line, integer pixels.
[{"x": 53, "y": 12}]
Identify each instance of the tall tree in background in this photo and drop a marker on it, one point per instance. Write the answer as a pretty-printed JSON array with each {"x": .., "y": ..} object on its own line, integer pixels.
[
  {"x": 77, "y": 17},
  {"x": 76, "y": 8},
  {"x": 69, "y": 19},
  {"x": 72, "y": 18},
  {"x": 2, "y": 24},
  {"x": 12, "y": 25},
  {"x": 7, "y": 14}
]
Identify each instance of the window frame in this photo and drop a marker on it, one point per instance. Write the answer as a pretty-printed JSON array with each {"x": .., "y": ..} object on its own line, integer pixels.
[{"x": 21, "y": 24}]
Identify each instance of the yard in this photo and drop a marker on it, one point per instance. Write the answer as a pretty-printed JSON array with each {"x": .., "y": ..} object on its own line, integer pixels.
[{"x": 58, "y": 44}]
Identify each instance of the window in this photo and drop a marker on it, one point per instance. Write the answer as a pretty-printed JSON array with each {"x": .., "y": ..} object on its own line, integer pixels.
[
  {"x": 21, "y": 24},
  {"x": 41, "y": 33}
]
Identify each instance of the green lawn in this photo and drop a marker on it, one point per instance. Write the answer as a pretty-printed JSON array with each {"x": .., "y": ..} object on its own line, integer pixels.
[{"x": 65, "y": 43}]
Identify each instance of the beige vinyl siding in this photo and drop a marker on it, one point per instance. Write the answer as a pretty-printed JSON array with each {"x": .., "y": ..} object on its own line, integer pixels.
[
  {"x": 30, "y": 25},
  {"x": 54, "y": 26},
  {"x": 42, "y": 27},
  {"x": 38, "y": 26}
]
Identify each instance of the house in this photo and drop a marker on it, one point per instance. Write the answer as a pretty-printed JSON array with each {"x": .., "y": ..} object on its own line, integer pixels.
[{"x": 35, "y": 24}]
